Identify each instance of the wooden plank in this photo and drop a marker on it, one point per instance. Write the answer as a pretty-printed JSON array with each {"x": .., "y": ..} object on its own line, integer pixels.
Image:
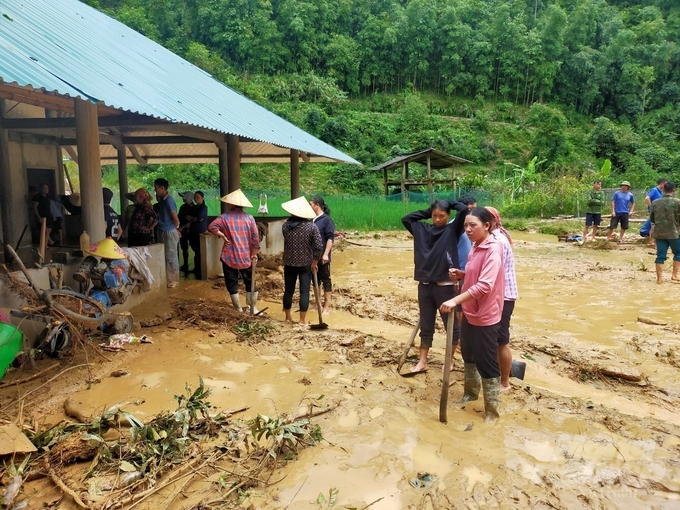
[
  {"x": 234, "y": 162},
  {"x": 43, "y": 239},
  {"x": 122, "y": 178},
  {"x": 294, "y": 174},
  {"x": 224, "y": 175}
]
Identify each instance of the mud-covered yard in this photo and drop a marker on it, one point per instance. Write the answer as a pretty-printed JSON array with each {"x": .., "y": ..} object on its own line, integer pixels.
[{"x": 595, "y": 423}]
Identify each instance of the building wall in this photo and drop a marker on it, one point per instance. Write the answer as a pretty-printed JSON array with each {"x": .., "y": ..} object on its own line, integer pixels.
[{"x": 28, "y": 152}]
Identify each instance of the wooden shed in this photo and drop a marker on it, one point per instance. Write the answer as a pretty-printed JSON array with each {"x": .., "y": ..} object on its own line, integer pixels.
[{"x": 396, "y": 171}]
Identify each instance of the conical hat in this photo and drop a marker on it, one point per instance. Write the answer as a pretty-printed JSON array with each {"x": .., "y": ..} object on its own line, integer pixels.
[
  {"x": 107, "y": 249},
  {"x": 299, "y": 207},
  {"x": 236, "y": 198}
]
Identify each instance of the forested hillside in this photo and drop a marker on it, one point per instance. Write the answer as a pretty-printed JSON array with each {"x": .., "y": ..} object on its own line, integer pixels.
[{"x": 570, "y": 82}]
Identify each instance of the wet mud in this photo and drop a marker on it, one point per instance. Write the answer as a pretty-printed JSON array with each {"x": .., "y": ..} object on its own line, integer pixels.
[{"x": 595, "y": 424}]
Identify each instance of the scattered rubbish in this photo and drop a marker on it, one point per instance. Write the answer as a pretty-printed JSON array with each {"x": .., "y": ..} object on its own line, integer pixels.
[
  {"x": 117, "y": 342},
  {"x": 120, "y": 373},
  {"x": 13, "y": 440},
  {"x": 422, "y": 480},
  {"x": 469, "y": 427}
]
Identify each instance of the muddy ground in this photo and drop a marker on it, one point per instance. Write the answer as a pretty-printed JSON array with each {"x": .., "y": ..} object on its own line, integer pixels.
[{"x": 595, "y": 424}]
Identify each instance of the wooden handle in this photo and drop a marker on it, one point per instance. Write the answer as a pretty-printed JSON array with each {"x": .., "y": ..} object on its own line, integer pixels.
[
  {"x": 411, "y": 341},
  {"x": 444, "y": 400}
]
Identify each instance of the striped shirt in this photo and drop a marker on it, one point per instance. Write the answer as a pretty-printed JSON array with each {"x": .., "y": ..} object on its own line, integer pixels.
[
  {"x": 241, "y": 230},
  {"x": 511, "y": 293}
]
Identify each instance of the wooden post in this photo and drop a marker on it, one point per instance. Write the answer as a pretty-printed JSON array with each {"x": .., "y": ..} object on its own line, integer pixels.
[
  {"x": 429, "y": 178},
  {"x": 294, "y": 174},
  {"x": 122, "y": 178},
  {"x": 234, "y": 162},
  {"x": 385, "y": 180},
  {"x": 8, "y": 236},
  {"x": 403, "y": 182},
  {"x": 224, "y": 174},
  {"x": 43, "y": 239},
  {"x": 89, "y": 169}
]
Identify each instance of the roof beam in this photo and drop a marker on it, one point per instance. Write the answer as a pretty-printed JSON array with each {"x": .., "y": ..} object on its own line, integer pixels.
[
  {"x": 140, "y": 140},
  {"x": 138, "y": 157},
  {"x": 46, "y": 100}
]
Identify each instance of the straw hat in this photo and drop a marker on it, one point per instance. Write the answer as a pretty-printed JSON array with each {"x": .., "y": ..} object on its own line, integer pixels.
[
  {"x": 236, "y": 198},
  {"x": 299, "y": 207},
  {"x": 74, "y": 198},
  {"x": 107, "y": 249},
  {"x": 625, "y": 183}
]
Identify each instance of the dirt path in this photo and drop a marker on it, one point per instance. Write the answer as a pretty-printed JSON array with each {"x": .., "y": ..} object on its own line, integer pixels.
[{"x": 570, "y": 436}]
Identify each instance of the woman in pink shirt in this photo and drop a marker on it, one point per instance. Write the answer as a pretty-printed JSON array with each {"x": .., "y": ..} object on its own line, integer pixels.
[{"x": 482, "y": 302}]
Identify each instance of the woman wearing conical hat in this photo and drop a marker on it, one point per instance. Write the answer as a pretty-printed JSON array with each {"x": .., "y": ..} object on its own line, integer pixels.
[
  {"x": 241, "y": 244},
  {"x": 302, "y": 248}
]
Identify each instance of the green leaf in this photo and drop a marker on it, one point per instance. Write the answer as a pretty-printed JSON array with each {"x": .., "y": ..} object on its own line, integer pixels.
[
  {"x": 321, "y": 499},
  {"x": 127, "y": 467}
]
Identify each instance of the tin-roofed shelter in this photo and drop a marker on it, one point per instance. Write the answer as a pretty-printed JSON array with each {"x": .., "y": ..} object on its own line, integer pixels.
[
  {"x": 431, "y": 158},
  {"x": 73, "y": 79}
]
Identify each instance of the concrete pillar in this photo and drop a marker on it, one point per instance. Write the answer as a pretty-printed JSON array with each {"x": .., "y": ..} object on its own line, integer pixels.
[
  {"x": 8, "y": 234},
  {"x": 234, "y": 162},
  {"x": 294, "y": 174},
  {"x": 122, "y": 177},
  {"x": 224, "y": 175},
  {"x": 89, "y": 169}
]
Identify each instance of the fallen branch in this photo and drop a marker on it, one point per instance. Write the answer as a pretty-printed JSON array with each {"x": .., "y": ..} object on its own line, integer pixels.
[
  {"x": 45, "y": 384},
  {"x": 59, "y": 483},
  {"x": 316, "y": 413},
  {"x": 4, "y": 384}
]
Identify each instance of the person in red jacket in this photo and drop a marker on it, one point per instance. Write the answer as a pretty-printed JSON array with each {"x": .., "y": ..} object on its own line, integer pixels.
[{"x": 482, "y": 300}]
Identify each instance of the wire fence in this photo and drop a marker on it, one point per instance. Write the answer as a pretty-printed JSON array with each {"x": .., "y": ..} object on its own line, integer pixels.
[{"x": 381, "y": 212}]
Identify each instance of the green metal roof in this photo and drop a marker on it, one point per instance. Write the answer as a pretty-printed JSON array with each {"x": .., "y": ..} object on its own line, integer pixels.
[{"x": 69, "y": 48}]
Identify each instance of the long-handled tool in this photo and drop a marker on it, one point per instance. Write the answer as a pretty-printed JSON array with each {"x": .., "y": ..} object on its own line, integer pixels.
[
  {"x": 402, "y": 359},
  {"x": 321, "y": 324},
  {"x": 253, "y": 288},
  {"x": 444, "y": 400}
]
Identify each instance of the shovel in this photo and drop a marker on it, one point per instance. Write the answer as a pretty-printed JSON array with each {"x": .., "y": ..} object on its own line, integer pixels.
[
  {"x": 321, "y": 324},
  {"x": 253, "y": 288},
  {"x": 402, "y": 359},
  {"x": 444, "y": 400}
]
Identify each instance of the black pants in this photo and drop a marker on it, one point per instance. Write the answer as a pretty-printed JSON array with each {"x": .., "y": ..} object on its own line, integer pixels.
[
  {"x": 139, "y": 239},
  {"x": 324, "y": 276},
  {"x": 290, "y": 277},
  {"x": 480, "y": 344},
  {"x": 195, "y": 242},
  {"x": 184, "y": 245},
  {"x": 231, "y": 277},
  {"x": 430, "y": 298}
]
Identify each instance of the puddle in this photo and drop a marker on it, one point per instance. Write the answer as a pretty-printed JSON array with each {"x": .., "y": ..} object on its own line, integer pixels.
[{"x": 385, "y": 429}]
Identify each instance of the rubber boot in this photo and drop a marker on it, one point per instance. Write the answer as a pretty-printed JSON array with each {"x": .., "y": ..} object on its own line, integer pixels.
[
  {"x": 676, "y": 268},
  {"x": 492, "y": 390},
  {"x": 236, "y": 301},
  {"x": 251, "y": 299},
  {"x": 472, "y": 383}
]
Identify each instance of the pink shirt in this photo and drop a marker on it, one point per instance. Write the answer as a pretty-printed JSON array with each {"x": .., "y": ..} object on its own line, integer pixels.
[
  {"x": 485, "y": 281},
  {"x": 510, "y": 293}
]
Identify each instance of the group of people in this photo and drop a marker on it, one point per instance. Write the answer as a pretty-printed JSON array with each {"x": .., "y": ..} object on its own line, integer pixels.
[
  {"x": 662, "y": 226},
  {"x": 308, "y": 241},
  {"x": 476, "y": 250}
]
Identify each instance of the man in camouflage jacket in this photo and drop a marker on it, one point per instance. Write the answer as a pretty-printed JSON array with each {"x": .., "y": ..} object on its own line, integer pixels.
[{"x": 665, "y": 216}]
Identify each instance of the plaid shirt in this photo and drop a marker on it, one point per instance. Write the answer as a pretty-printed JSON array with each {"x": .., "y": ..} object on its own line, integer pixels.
[
  {"x": 511, "y": 293},
  {"x": 240, "y": 229}
]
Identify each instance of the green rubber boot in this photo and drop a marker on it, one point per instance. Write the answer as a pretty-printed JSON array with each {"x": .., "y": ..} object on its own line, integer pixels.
[
  {"x": 472, "y": 383},
  {"x": 492, "y": 391}
]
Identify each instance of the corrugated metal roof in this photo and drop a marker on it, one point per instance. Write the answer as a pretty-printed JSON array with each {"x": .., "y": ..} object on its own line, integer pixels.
[
  {"x": 71, "y": 49},
  {"x": 438, "y": 159}
]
